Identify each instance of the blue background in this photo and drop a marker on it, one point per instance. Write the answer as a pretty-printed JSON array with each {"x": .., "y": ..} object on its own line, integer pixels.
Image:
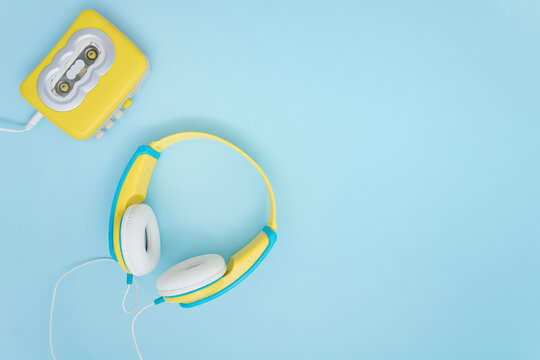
[{"x": 401, "y": 139}]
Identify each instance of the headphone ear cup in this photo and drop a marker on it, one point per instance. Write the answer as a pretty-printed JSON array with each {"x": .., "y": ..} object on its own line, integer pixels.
[
  {"x": 191, "y": 274},
  {"x": 139, "y": 239}
]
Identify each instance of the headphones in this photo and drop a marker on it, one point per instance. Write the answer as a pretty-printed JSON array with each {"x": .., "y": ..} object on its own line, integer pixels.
[{"x": 134, "y": 240}]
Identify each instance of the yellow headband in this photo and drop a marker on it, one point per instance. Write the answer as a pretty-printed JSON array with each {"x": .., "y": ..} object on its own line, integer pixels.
[
  {"x": 134, "y": 183},
  {"x": 164, "y": 143}
]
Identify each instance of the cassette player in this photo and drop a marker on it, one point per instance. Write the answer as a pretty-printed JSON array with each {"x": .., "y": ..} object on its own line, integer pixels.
[{"x": 88, "y": 79}]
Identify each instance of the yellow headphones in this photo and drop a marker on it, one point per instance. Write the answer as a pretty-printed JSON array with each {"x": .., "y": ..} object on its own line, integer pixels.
[{"x": 134, "y": 240}]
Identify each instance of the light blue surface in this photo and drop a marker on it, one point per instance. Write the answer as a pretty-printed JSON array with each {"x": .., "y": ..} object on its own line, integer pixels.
[{"x": 401, "y": 139}]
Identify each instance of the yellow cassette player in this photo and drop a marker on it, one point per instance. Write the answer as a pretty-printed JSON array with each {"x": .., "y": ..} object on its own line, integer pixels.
[{"x": 88, "y": 79}]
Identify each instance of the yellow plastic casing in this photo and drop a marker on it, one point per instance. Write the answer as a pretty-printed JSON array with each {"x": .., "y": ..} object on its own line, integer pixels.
[
  {"x": 131, "y": 190},
  {"x": 239, "y": 264},
  {"x": 112, "y": 90}
]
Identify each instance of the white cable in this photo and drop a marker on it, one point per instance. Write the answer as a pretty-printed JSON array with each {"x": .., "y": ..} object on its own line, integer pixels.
[
  {"x": 133, "y": 328},
  {"x": 127, "y": 311},
  {"x": 31, "y": 123},
  {"x": 54, "y": 295}
]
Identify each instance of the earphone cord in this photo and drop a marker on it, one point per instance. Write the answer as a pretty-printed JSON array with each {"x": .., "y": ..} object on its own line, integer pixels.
[
  {"x": 127, "y": 311},
  {"x": 31, "y": 123},
  {"x": 69, "y": 272},
  {"x": 133, "y": 328}
]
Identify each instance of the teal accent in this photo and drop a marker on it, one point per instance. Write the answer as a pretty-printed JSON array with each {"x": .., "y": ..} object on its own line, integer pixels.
[
  {"x": 159, "y": 300},
  {"x": 192, "y": 291},
  {"x": 129, "y": 279},
  {"x": 272, "y": 237},
  {"x": 141, "y": 150}
]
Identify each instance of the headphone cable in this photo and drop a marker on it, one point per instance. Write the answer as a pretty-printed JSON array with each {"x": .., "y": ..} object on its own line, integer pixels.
[
  {"x": 69, "y": 272},
  {"x": 29, "y": 125},
  {"x": 133, "y": 327},
  {"x": 127, "y": 311}
]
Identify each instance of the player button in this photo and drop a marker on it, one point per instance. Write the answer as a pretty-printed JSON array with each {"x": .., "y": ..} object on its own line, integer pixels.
[
  {"x": 118, "y": 113},
  {"x": 99, "y": 134},
  {"x": 109, "y": 124}
]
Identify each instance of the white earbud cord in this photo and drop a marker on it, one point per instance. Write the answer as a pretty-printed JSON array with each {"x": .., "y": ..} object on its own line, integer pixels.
[
  {"x": 133, "y": 328},
  {"x": 31, "y": 123},
  {"x": 62, "y": 278},
  {"x": 127, "y": 311}
]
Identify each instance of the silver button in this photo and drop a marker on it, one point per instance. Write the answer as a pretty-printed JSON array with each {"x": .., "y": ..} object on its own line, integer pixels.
[
  {"x": 99, "y": 134},
  {"x": 118, "y": 113},
  {"x": 109, "y": 124}
]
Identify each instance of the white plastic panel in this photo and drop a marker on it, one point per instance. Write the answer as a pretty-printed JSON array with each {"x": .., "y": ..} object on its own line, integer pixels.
[{"x": 81, "y": 76}]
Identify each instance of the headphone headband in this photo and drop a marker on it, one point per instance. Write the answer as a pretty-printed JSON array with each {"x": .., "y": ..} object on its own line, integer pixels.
[
  {"x": 134, "y": 183},
  {"x": 164, "y": 143}
]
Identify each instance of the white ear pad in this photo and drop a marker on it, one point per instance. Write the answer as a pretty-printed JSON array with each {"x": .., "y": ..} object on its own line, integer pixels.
[
  {"x": 191, "y": 274},
  {"x": 139, "y": 239}
]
